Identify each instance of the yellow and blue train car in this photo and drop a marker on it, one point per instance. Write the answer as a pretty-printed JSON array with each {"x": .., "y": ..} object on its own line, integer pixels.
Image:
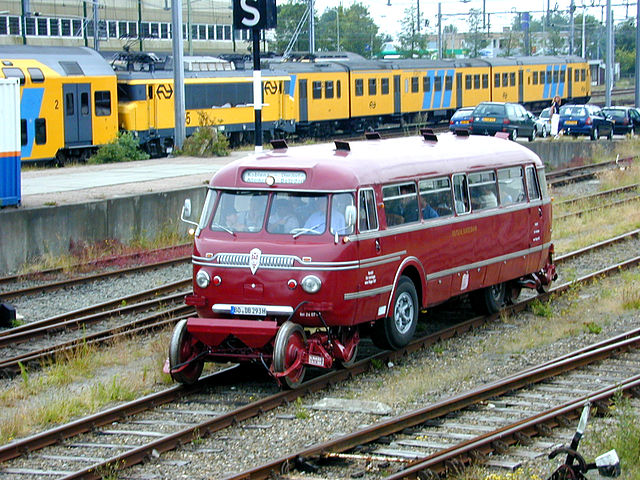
[
  {"x": 68, "y": 100},
  {"x": 219, "y": 98}
]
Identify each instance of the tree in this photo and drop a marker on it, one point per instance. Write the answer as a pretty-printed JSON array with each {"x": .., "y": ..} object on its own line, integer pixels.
[
  {"x": 358, "y": 31},
  {"x": 625, "y": 43},
  {"x": 289, "y": 15},
  {"x": 410, "y": 39},
  {"x": 449, "y": 31},
  {"x": 475, "y": 38}
]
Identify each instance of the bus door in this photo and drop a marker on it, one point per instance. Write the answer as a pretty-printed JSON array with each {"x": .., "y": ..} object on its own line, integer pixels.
[
  {"x": 370, "y": 282},
  {"x": 536, "y": 227},
  {"x": 303, "y": 107},
  {"x": 77, "y": 114}
]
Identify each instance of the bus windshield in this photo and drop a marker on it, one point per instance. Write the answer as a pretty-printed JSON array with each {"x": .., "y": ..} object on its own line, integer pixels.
[{"x": 292, "y": 213}]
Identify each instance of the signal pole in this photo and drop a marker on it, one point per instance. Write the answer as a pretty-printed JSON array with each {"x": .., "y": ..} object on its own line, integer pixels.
[{"x": 178, "y": 74}]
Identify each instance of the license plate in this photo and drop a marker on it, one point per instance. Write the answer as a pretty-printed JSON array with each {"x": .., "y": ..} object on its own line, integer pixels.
[
  {"x": 249, "y": 310},
  {"x": 316, "y": 360},
  {"x": 571, "y": 122},
  {"x": 488, "y": 119},
  {"x": 464, "y": 121}
]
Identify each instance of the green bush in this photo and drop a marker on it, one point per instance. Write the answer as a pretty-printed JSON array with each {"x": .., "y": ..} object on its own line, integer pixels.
[
  {"x": 125, "y": 148},
  {"x": 206, "y": 141}
]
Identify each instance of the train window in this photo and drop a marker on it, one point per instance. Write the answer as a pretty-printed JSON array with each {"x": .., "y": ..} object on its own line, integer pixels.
[
  {"x": 41, "y": 131},
  {"x": 406, "y": 85},
  {"x": 36, "y": 75},
  {"x": 24, "y": 136},
  {"x": 372, "y": 86},
  {"x": 328, "y": 89},
  {"x": 583, "y": 75},
  {"x": 496, "y": 80},
  {"x": 384, "y": 86},
  {"x": 532, "y": 184},
  {"x": 562, "y": 76},
  {"x": 448, "y": 82},
  {"x": 84, "y": 103},
  {"x": 511, "y": 185},
  {"x": 483, "y": 190},
  {"x": 437, "y": 84},
  {"x": 535, "y": 78},
  {"x": 338, "y": 89},
  {"x": 485, "y": 80},
  {"x": 317, "y": 89},
  {"x": 400, "y": 203},
  {"x": 426, "y": 84},
  {"x": 12, "y": 72},
  {"x": 414, "y": 85},
  {"x": 367, "y": 214},
  {"x": 460, "y": 193},
  {"x": 69, "y": 105},
  {"x": 505, "y": 79},
  {"x": 555, "y": 76},
  {"x": 543, "y": 77},
  {"x": 512, "y": 79},
  {"x": 359, "y": 87},
  {"x": 130, "y": 93},
  {"x": 476, "y": 81},
  {"x": 435, "y": 197},
  {"x": 467, "y": 82},
  {"x": 102, "y": 101}
]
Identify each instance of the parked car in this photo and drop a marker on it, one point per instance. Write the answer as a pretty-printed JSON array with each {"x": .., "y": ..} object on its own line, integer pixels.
[
  {"x": 460, "y": 119},
  {"x": 625, "y": 119},
  {"x": 585, "y": 120},
  {"x": 543, "y": 122},
  {"x": 488, "y": 118}
]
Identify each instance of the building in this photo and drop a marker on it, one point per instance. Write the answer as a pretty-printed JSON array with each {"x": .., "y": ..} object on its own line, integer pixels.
[{"x": 133, "y": 24}]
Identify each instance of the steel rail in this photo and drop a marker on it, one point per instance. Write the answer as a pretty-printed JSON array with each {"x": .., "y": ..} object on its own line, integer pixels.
[
  {"x": 605, "y": 243},
  {"x": 592, "y": 196},
  {"x": 617, "y": 203},
  {"x": 139, "y": 454},
  {"x": 462, "y": 454}
]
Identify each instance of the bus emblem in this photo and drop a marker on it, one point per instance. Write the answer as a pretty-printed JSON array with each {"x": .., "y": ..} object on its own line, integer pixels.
[{"x": 254, "y": 259}]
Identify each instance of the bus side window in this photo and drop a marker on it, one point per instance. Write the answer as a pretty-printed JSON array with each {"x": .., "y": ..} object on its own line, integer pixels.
[
  {"x": 367, "y": 214},
  {"x": 400, "y": 204},
  {"x": 532, "y": 184},
  {"x": 460, "y": 193},
  {"x": 511, "y": 185}
]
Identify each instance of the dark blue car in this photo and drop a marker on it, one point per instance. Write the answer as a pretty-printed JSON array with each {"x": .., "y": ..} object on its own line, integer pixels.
[
  {"x": 585, "y": 120},
  {"x": 460, "y": 119}
]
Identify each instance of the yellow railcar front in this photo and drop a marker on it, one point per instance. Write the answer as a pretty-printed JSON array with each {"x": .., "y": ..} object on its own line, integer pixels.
[{"x": 68, "y": 101}]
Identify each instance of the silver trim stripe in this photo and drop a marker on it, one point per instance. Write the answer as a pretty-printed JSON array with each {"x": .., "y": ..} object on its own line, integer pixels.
[{"x": 368, "y": 293}]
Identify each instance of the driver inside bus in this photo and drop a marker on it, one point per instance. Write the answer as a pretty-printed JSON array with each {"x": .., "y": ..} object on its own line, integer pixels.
[{"x": 317, "y": 220}]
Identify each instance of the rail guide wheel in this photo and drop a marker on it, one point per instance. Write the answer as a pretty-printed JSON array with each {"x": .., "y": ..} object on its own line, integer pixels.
[
  {"x": 184, "y": 347},
  {"x": 289, "y": 347}
]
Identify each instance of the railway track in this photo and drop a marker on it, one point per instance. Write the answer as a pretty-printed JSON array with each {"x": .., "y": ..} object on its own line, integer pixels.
[
  {"x": 558, "y": 178},
  {"x": 596, "y": 201},
  {"x": 147, "y": 427},
  {"x": 161, "y": 312}
]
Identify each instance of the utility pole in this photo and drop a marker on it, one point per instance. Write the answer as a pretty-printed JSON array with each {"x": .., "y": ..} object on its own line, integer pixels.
[
  {"x": 140, "y": 24},
  {"x": 96, "y": 33},
  {"x": 439, "y": 30},
  {"x": 338, "y": 27},
  {"x": 572, "y": 9},
  {"x": 312, "y": 28},
  {"x": 418, "y": 15},
  {"x": 178, "y": 74},
  {"x": 608, "y": 58},
  {"x": 26, "y": 10},
  {"x": 189, "y": 38},
  {"x": 584, "y": 40}
]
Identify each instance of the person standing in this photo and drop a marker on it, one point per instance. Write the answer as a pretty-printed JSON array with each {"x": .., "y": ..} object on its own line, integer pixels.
[{"x": 555, "y": 115}]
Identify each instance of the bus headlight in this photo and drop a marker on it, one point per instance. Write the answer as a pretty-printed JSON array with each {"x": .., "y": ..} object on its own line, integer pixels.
[
  {"x": 202, "y": 279},
  {"x": 311, "y": 284}
]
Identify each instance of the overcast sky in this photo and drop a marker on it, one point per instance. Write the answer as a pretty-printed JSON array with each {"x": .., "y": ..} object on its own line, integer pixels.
[{"x": 388, "y": 18}]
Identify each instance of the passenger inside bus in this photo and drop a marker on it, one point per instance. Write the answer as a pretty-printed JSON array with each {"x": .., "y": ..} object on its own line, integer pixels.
[
  {"x": 281, "y": 219},
  {"x": 427, "y": 210},
  {"x": 316, "y": 222},
  {"x": 482, "y": 197}
]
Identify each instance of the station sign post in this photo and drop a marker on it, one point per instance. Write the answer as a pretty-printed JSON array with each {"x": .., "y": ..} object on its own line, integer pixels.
[{"x": 255, "y": 15}]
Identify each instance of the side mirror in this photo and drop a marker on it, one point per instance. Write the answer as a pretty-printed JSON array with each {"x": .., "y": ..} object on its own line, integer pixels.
[
  {"x": 608, "y": 464},
  {"x": 350, "y": 215},
  {"x": 186, "y": 212}
]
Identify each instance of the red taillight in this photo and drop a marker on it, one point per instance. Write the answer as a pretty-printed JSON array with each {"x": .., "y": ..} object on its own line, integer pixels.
[
  {"x": 470, "y": 119},
  {"x": 450, "y": 122},
  {"x": 506, "y": 121},
  {"x": 626, "y": 121},
  {"x": 588, "y": 121}
]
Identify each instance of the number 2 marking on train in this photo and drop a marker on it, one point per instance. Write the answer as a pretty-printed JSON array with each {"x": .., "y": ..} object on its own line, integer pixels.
[{"x": 57, "y": 104}]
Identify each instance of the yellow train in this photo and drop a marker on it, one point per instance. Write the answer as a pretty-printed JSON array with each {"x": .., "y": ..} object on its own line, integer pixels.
[
  {"x": 73, "y": 101},
  {"x": 68, "y": 100}
]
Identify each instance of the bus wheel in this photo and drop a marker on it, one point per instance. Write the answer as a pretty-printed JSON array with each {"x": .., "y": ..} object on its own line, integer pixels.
[
  {"x": 183, "y": 347},
  {"x": 489, "y": 300},
  {"x": 396, "y": 331},
  {"x": 513, "y": 292},
  {"x": 289, "y": 345}
]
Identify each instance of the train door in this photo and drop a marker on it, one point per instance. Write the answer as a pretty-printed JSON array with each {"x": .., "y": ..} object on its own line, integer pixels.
[
  {"x": 458, "y": 90},
  {"x": 397, "y": 95},
  {"x": 77, "y": 114},
  {"x": 303, "y": 107},
  {"x": 520, "y": 86},
  {"x": 569, "y": 83},
  {"x": 152, "y": 107},
  {"x": 535, "y": 218}
]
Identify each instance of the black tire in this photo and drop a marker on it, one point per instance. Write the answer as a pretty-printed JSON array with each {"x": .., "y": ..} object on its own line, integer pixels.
[
  {"x": 513, "y": 135},
  {"x": 489, "y": 300},
  {"x": 180, "y": 350},
  {"x": 397, "y": 330},
  {"x": 595, "y": 133},
  {"x": 610, "y": 136},
  {"x": 532, "y": 137},
  {"x": 289, "y": 339}
]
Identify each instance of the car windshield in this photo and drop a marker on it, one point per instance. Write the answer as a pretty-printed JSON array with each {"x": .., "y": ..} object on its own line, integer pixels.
[
  {"x": 290, "y": 213},
  {"x": 573, "y": 110},
  {"x": 462, "y": 114},
  {"x": 616, "y": 113},
  {"x": 489, "y": 109},
  {"x": 545, "y": 113}
]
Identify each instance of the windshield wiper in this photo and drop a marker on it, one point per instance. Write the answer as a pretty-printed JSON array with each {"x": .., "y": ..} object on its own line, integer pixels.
[
  {"x": 300, "y": 231},
  {"x": 222, "y": 227}
]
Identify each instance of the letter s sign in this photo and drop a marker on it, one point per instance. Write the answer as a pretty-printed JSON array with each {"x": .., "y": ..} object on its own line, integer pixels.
[{"x": 254, "y": 14}]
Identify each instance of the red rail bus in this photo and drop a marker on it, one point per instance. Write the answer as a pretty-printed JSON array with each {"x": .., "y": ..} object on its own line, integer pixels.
[{"x": 300, "y": 251}]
